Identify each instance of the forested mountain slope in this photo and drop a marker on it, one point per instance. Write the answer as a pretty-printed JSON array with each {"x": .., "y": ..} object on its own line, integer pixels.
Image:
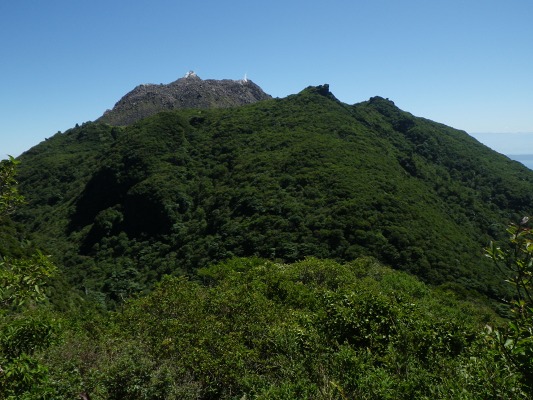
[{"x": 282, "y": 179}]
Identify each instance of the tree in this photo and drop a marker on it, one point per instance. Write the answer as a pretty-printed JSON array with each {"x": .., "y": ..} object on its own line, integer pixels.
[
  {"x": 515, "y": 260},
  {"x": 24, "y": 328},
  {"x": 9, "y": 195}
]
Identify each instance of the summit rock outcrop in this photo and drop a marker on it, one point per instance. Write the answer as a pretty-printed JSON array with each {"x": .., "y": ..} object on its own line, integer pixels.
[{"x": 188, "y": 92}]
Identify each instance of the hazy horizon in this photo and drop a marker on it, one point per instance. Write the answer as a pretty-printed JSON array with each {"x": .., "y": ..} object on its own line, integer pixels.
[{"x": 511, "y": 143}]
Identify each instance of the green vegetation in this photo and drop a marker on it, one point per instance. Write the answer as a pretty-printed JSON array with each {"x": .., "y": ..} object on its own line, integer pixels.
[
  {"x": 9, "y": 195},
  {"x": 258, "y": 329},
  {"x": 252, "y": 328},
  {"x": 281, "y": 179},
  {"x": 24, "y": 330},
  {"x": 515, "y": 260}
]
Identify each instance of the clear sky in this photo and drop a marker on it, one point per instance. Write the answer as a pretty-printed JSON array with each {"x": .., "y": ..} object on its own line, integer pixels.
[{"x": 465, "y": 63}]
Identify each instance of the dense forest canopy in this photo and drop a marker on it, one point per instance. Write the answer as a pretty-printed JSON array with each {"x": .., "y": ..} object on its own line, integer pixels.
[{"x": 282, "y": 179}]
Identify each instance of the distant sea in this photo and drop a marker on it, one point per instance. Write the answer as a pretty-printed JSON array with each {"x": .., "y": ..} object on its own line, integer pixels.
[{"x": 526, "y": 159}]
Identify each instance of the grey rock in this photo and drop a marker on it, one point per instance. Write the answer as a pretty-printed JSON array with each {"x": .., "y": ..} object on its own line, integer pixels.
[{"x": 188, "y": 92}]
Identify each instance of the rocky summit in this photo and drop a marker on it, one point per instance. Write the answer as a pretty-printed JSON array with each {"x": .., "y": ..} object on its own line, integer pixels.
[{"x": 188, "y": 92}]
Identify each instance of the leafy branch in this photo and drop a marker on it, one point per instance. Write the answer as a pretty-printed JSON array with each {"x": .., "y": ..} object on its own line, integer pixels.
[{"x": 515, "y": 260}]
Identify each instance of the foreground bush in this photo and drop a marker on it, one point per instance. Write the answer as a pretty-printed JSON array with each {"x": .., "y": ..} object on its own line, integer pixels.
[{"x": 313, "y": 329}]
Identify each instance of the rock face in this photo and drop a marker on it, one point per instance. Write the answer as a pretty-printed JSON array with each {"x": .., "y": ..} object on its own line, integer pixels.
[{"x": 188, "y": 92}]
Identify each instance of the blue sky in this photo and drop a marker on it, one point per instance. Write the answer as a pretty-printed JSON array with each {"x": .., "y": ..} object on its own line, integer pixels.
[{"x": 467, "y": 64}]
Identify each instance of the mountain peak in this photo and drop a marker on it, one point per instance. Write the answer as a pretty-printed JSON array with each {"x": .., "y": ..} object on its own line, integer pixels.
[
  {"x": 189, "y": 91},
  {"x": 322, "y": 90}
]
